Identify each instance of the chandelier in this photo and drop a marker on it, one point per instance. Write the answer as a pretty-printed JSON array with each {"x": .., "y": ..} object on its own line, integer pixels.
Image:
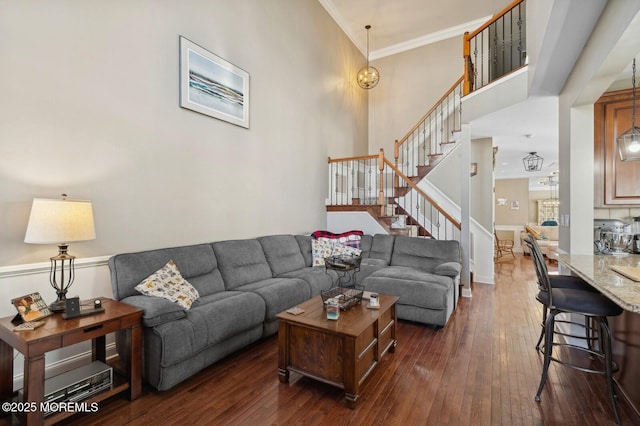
[
  {"x": 532, "y": 162},
  {"x": 629, "y": 141},
  {"x": 368, "y": 76},
  {"x": 552, "y": 181}
]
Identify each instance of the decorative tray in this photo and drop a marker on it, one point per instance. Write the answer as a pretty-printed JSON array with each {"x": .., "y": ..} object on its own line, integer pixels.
[{"x": 348, "y": 296}]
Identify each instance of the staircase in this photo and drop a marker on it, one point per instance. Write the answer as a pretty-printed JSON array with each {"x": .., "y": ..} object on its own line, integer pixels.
[{"x": 389, "y": 190}]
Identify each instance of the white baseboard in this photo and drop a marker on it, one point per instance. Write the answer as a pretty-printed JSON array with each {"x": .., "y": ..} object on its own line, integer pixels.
[{"x": 481, "y": 279}]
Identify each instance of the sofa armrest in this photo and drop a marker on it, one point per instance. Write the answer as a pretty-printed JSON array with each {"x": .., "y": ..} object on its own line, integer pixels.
[
  {"x": 156, "y": 309},
  {"x": 449, "y": 269}
]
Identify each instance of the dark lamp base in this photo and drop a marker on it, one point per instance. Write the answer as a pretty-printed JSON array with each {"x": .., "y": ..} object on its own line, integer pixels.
[{"x": 57, "y": 306}]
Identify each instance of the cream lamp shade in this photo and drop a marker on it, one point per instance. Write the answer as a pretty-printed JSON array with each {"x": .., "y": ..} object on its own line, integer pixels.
[{"x": 60, "y": 221}]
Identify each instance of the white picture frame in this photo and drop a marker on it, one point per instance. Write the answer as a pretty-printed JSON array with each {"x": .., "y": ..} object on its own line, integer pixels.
[{"x": 213, "y": 86}]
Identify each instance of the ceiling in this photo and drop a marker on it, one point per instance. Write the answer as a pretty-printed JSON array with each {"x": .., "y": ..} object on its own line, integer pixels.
[
  {"x": 400, "y": 25},
  {"x": 397, "y": 26}
]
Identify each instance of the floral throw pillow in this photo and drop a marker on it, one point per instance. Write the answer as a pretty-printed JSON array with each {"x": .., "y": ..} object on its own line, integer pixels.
[
  {"x": 168, "y": 283},
  {"x": 325, "y": 247},
  {"x": 342, "y": 250},
  {"x": 320, "y": 250}
]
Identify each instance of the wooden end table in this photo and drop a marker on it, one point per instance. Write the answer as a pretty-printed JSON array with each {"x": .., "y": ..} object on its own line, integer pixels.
[
  {"x": 58, "y": 333},
  {"x": 341, "y": 353}
]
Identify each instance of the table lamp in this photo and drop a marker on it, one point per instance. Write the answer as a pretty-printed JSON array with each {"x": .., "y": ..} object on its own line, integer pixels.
[{"x": 60, "y": 222}]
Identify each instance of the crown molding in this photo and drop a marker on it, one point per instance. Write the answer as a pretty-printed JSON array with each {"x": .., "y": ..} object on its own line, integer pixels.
[
  {"x": 426, "y": 39},
  {"x": 342, "y": 23}
]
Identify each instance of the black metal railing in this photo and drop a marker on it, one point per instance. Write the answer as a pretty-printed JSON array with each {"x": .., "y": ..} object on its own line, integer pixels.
[{"x": 496, "y": 48}]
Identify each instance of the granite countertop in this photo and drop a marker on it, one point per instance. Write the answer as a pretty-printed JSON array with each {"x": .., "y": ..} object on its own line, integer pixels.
[{"x": 595, "y": 270}]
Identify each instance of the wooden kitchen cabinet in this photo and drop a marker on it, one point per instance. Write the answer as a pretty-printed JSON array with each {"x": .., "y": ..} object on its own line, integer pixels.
[{"x": 617, "y": 183}]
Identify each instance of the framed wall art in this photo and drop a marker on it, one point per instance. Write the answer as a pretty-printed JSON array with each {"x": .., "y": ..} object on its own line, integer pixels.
[{"x": 212, "y": 86}]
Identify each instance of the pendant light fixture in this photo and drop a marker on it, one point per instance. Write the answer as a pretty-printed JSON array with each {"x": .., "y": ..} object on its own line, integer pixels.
[
  {"x": 532, "y": 162},
  {"x": 368, "y": 76},
  {"x": 629, "y": 141},
  {"x": 553, "y": 186}
]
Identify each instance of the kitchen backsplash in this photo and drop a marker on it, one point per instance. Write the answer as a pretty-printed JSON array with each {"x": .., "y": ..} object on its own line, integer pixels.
[{"x": 624, "y": 214}]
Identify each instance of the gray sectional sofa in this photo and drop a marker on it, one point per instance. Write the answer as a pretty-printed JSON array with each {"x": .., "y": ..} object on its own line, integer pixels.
[{"x": 243, "y": 284}]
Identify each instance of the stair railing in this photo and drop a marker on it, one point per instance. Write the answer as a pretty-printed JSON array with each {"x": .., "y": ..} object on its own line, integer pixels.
[
  {"x": 427, "y": 139},
  {"x": 370, "y": 182},
  {"x": 496, "y": 48},
  {"x": 363, "y": 180},
  {"x": 423, "y": 211}
]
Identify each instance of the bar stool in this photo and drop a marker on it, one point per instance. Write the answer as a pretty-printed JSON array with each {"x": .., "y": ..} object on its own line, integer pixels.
[
  {"x": 558, "y": 281},
  {"x": 596, "y": 308}
]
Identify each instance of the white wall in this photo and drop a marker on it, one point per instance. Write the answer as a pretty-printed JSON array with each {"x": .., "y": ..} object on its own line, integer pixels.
[
  {"x": 481, "y": 185},
  {"x": 515, "y": 191},
  {"x": 89, "y": 102},
  {"x": 410, "y": 84},
  {"x": 338, "y": 222}
]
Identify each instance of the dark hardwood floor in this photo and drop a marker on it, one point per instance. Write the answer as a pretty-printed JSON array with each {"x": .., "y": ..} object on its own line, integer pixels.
[{"x": 481, "y": 369}]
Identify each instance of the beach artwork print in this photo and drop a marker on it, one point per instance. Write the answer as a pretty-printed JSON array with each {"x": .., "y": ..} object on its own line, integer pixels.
[{"x": 212, "y": 86}]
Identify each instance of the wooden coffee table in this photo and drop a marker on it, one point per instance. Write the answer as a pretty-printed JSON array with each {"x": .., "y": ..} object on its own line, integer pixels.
[{"x": 341, "y": 353}]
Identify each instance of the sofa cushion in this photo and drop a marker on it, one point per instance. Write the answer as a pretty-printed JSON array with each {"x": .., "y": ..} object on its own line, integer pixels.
[
  {"x": 413, "y": 286},
  {"x": 379, "y": 263},
  {"x": 450, "y": 269},
  {"x": 530, "y": 229},
  {"x": 424, "y": 253},
  {"x": 168, "y": 283},
  {"x": 365, "y": 244},
  {"x": 549, "y": 232},
  {"x": 156, "y": 311},
  {"x": 208, "y": 324},
  {"x": 241, "y": 262},
  {"x": 381, "y": 247},
  {"x": 367, "y": 267},
  {"x": 318, "y": 279},
  {"x": 304, "y": 242},
  {"x": 197, "y": 264},
  {"x": 279, "y": 294},
  {"x": 543, "y": 233},
  {"x": 282, "y": 253}
]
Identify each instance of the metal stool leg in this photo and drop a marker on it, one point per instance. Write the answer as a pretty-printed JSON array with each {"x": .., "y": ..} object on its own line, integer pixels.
[
  {"x": 548, "y": 350},
  {"x": 543, "y": 325},
  {"x": 605, "y": 340}
]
